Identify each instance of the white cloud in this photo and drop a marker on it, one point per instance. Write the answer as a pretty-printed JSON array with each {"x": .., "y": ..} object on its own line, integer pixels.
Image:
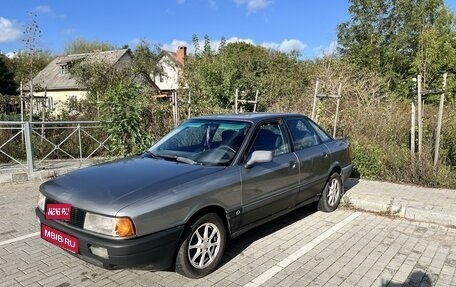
[
  {"x": 236, "y": 40},
  {"x": 254, "y": 5},
  {"x": 285, "y": 46},
  {"x": 9, "y": 31},
  {"x": 325, "y": 50},
  {"x": 288, "y": 46},
  {"x": 172, "y": 47}
]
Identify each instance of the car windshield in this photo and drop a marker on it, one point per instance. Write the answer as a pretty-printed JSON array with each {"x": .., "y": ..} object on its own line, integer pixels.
[{"x": 199, "y": 141}]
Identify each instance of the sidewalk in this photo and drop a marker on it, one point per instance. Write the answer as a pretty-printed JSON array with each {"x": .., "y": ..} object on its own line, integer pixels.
[
  {"x": 11, "y": 173},
  {"x": 412, "y": 202}
]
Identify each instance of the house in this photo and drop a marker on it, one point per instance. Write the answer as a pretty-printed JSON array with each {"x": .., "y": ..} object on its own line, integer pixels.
[
  {"x": 58, "y": 87},
  {"x": 172, "y": 64}
]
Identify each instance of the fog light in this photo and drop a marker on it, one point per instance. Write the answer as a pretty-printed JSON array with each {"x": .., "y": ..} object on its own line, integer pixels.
[{"x": 99, "y": 251}]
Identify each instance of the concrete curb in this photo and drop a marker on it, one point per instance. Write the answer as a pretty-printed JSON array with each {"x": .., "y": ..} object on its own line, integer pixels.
[
  {"x": 407, "y": 210},
  {"x": 17, "y": 177}
]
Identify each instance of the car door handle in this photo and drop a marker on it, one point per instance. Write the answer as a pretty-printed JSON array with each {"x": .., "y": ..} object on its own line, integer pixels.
[
  {"x": 324, "y": 154},
  {"x": 292, "y": 164}
]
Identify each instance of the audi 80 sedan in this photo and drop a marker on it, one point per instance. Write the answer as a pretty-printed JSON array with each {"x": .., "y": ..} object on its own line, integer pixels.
[{"x": 177, "y": 204}]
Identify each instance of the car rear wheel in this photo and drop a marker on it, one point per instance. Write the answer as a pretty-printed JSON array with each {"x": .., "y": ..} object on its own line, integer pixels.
[
  {"x": 202, "y": 249},
  {"x": 331, "y": 194}
]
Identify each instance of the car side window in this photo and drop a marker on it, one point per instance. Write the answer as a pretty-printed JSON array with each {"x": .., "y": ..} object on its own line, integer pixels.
[
  {"x": 270, "y": 137},
  {"x": 321, "y": 133},
  {"x": 303, "y": 136}
]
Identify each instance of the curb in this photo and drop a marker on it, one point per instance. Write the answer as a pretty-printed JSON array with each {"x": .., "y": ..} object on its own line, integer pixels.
[
  {"x": 404, "y": 210},
  {"x": 18, "y": 177}
]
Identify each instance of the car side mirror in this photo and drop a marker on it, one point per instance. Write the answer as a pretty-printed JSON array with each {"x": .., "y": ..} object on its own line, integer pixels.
[{"x": 259, "y": 156}]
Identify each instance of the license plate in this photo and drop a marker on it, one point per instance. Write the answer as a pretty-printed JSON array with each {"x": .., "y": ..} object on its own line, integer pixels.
[
  {"x": 60, "y": 211},
  {"x": 60, "y": 239}
]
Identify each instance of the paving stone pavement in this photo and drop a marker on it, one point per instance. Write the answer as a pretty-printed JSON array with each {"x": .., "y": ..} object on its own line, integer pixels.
[{"x": 370, "y": 250}]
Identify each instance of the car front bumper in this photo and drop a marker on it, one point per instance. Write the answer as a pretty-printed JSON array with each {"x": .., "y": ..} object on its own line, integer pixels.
[{"x": 153, "y": 252}]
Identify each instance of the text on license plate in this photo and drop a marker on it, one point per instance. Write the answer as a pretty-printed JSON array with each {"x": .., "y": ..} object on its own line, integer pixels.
[{"x": 59, "y": 238}]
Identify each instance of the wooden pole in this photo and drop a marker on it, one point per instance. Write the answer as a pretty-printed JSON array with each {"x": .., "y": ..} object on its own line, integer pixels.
[
  {"x": 336, "y": 118},
  {"x": 189, "y": 104},
  {"x": 22, "y": 102},
  {"x": 314, "y": 106},
  {"x": 439, "y": 123},
  {"x": 22, "y": 110},
  {"x": 256, "y": 101},
  {"x": 173, "y": 103},
  {"x": 177, "y": 107},
  {"x": 413, "y": 131},
  {"x": 420, "y": 120},
  {"x": 236, "y": 102}
]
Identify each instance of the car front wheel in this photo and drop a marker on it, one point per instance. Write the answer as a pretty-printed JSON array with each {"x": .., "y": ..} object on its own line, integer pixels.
[
  {"x": 331, "y": 194},
  {"x": 202, "y": 249}
]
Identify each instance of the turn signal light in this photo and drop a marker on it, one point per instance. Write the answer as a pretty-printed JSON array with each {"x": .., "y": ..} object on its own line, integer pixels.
[{"x": 124, "y": 227}]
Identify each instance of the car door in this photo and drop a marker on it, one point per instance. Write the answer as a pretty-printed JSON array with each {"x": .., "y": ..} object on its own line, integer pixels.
[
  {"x": 313, "y": 158},
  {"x": 268, "y": 188}
]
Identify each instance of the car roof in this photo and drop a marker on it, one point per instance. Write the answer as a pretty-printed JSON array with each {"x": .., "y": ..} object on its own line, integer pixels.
[{"x": 250, "y": 117}]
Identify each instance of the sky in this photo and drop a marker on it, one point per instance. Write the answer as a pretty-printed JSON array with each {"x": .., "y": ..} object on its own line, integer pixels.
[{"x": 307, "y": 26}]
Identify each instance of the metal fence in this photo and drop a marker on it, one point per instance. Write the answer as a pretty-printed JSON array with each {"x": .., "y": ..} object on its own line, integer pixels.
[{"x": 28, "y": 145}]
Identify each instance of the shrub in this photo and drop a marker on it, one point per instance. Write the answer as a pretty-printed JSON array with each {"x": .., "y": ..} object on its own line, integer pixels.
[{"x": 366, "y": 159}]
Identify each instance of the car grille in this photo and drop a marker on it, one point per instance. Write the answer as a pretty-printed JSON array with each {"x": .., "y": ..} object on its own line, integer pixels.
[{"x": 77, "y": 216}]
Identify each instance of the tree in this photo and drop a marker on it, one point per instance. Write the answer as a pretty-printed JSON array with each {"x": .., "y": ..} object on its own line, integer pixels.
[
  {"x": 81, "y": 46},
  {"x": 21, "y": 64},
  {"x": 31, "y": 35},
  {"x": 387, "y": 36},
  {"x": 122, "y": 107},
  {"x": 125, "y": 102},
  {"x": 145, "y": 60},
  {"x": 212, "y": 76},
  {"x": 7, "y": 84}
]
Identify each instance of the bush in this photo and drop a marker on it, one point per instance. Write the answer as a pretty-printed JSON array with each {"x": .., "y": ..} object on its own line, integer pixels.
[{"x": 366, "y": 159}]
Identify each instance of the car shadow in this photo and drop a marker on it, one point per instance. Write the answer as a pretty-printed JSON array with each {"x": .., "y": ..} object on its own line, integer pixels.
[
  {"x": 237, "y": 245},
  {"x": 350, "y": 183},
  {"x": 417, "y": 278}
]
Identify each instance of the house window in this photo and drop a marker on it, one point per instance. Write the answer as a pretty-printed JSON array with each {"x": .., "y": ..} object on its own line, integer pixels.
[{"x": 64, "y": 69}]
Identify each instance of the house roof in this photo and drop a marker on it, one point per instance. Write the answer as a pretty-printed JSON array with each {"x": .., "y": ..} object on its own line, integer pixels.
[
  {"x": 52, "y": 78},
  {"x": 173, "y": 57}
]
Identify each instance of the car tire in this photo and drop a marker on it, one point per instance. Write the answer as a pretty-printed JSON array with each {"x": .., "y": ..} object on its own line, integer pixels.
[
  {"x": 202, "y": 248},
  {"x": 332, "y": 193}
]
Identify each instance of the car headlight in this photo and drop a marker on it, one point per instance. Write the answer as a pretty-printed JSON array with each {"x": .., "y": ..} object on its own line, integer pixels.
[
  {"x": 41, "y": 201},
  {"x": 113, "y": 226}
]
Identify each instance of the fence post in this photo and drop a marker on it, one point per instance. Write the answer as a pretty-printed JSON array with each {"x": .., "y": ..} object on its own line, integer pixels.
[
  {"x": 314, "y": 105},
  {"x": 439, "y": 123},
  {"x": 420, "y": 119},
  {"x": 28, "y": 146},
  {"x": 80, "y": 142}
]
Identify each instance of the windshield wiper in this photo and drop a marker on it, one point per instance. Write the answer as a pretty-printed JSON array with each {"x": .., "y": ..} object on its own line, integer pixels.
[
  {"x": 171, "y": 157},
  {"x": 187, "y": 160},
  {"x": 151, "y": 154}
]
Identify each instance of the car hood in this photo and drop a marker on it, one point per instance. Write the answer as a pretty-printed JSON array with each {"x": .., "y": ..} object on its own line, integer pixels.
[{"x": 106, "y": 188}]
